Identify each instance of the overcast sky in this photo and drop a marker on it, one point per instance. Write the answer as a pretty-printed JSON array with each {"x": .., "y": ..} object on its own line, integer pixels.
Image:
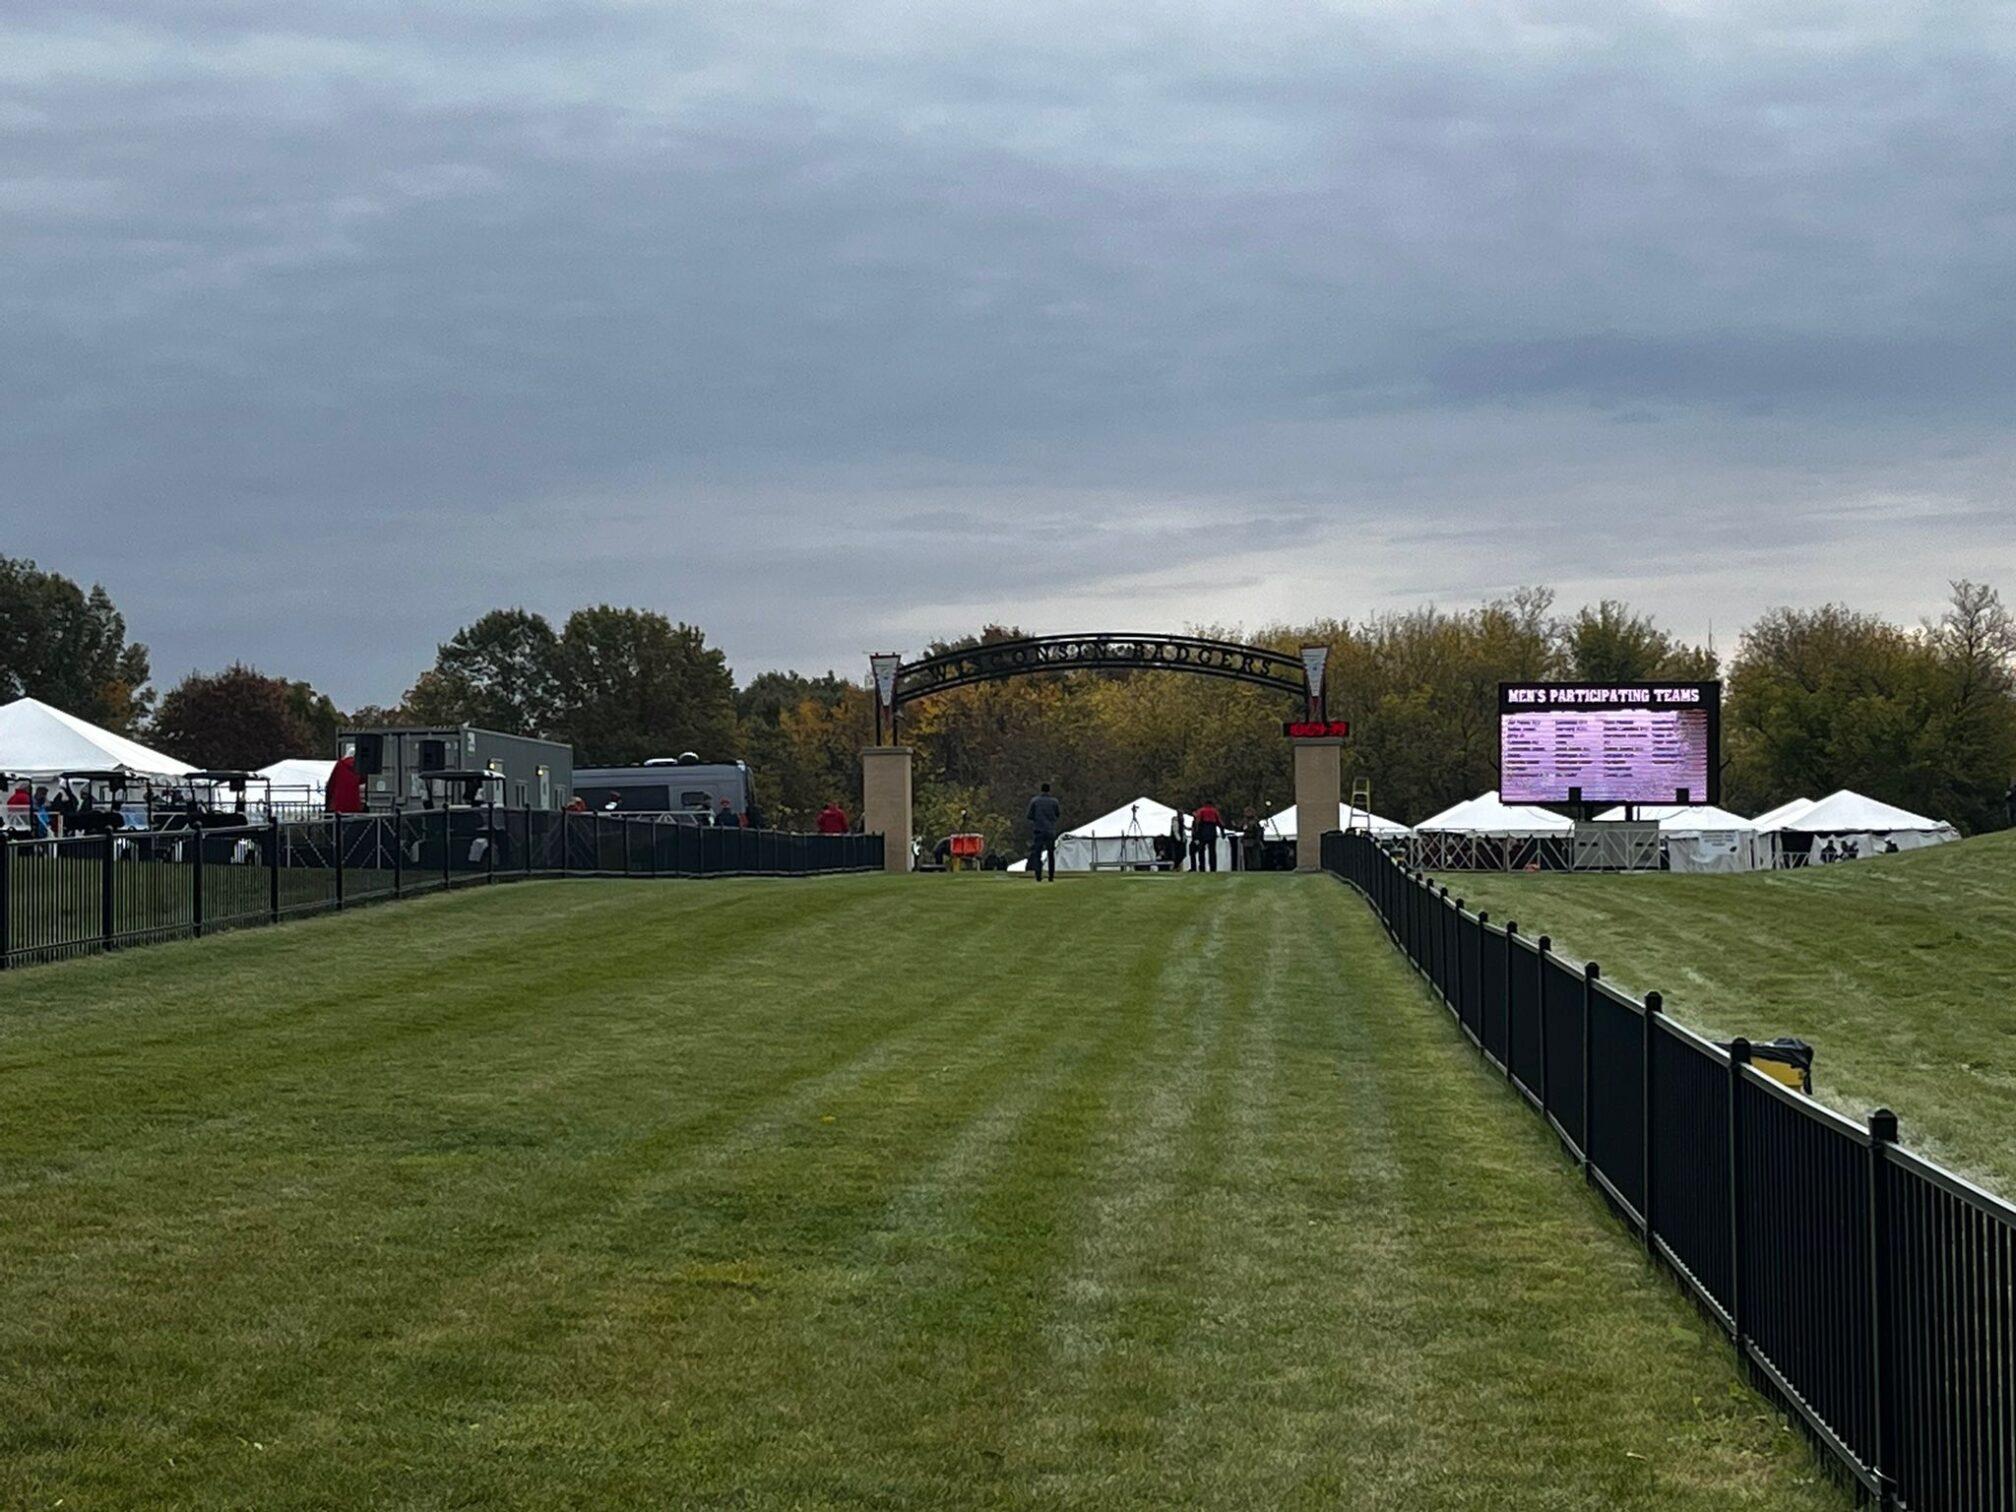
[{"x": 839, "y": 325}]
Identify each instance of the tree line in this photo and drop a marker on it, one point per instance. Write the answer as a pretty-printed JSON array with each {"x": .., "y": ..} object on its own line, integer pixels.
[{"x": 1815, "y": 699}]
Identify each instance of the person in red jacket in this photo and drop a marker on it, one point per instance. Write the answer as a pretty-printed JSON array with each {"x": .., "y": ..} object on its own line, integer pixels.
[
  {"x": 345, "y": 793},
  {"x": 832, "y": 820},
  {"x": 1204, "y": 828}
]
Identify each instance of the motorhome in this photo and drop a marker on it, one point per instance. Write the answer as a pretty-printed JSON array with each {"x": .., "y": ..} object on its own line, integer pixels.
[{"x": 684, "y": 787}]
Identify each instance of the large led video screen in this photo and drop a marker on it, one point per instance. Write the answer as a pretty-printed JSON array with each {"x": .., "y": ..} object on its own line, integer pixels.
[{"x": 1598, "y": 743}]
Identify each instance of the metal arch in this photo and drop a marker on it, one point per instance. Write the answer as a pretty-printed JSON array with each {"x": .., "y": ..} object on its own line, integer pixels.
[{"x": 1106, "y": 652}]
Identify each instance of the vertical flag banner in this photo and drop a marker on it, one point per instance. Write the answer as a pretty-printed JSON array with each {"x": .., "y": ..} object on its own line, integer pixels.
[
  {"x": 885, "y": 677},
  {"x": 1314, "y": 659}
]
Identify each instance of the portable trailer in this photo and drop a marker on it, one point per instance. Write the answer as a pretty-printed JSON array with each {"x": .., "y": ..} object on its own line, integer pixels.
[{"x": 400, "y": 765}]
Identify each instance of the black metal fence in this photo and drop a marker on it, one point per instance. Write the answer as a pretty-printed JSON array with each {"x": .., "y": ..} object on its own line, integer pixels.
[
  {"x": 1870, "y": 1291},
  {"x": 84, "y": 893}
]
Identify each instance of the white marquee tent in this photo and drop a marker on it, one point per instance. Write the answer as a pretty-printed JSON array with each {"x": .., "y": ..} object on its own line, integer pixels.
[
  {"x": 1486, "y": 814},
  {"x": 38, "y": 740},
  {"x": 1121, "y": 839},
  {"x": 1700, "y": 837},
  {"x": 1869, "y": 825},
  {"x": 1778, "y": 817},
  {"x": 298, "y": 779},
  {"x": 1283, "y": 826}
]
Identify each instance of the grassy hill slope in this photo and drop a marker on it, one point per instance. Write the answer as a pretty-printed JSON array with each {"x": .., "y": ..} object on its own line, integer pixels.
[{"x": 1899, "y": 970}]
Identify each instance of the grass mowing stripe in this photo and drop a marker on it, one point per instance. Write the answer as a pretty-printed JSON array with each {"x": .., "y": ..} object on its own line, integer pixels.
[{"x": 1135, "y": 1191}]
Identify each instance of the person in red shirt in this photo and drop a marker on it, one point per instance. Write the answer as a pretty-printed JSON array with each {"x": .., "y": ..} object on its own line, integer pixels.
[
  {"x": 345, "y": 793},
  {"x": 1204, "y": 826},
  {"x": 832, "y": 820}
]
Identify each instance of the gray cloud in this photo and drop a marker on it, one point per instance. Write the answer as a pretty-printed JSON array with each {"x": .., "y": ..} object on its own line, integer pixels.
[{"x": 325, "y": 329}]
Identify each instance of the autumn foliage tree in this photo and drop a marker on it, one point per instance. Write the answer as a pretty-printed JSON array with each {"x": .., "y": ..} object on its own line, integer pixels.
[{"x": 240, "y": 720}]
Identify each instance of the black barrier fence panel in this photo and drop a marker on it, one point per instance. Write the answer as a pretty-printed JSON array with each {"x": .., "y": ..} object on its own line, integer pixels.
[
  {"x": 1617, "y": 1096},
  {"x": 154, "y": 887},
  {"x": 55, "y": 891},
  {"x": 237, "y": 878},
  {"x": 1690, "y": 1160},
  {"x": 1805, "y": 1254},
  {"x": 1491, "y": 982},
  {"x": 1871, "y": 1292},
  {"x": 1951, "y": 1270},
  {"x": 1469, "y": 956},
  {"x": 63, "y": 896},
  {"x": 1562, "y": 993},
  {"x": 1523, "y": 1028}
]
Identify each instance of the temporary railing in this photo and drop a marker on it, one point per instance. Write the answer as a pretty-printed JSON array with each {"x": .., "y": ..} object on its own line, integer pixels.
[
  {"x": 1867, "y": 1289},
  {"x": 77, "y": 894}
]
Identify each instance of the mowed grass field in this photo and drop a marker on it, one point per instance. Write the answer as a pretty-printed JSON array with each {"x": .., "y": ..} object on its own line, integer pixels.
[
  {"x": 1900, "y": 971},
  {"x": 875, "y": 1192}
]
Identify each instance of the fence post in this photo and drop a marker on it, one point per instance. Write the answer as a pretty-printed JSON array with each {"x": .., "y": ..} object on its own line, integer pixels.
[
  {"x": 398, "y": 852},
  {"x": 447, "y": 848},
  {"x": 7, "y": 899},
  {"x": 1456, "y": 961},
  {"x": 490, "y": 845},
  {"x": 526, "y": 848},
  {"x": 1739, "y": 1057},
  {"x": 1540, "y": 1022},
  {"x": 196, "y": 889},
  {"x": 106, "y": 907},
  {"x": 1590, "y": 973},
  {"x": 1882, "y": 1135},
  {"x": 1511, "y": 957},
  {"x": 1654, "y": 1005},
  {"x": 273, "y": 868},
  {"x": 336, "y": 839}
]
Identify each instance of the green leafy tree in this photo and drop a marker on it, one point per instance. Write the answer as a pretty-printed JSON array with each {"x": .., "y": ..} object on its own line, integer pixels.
[
  {"x": 241, "y": 720},
  {"x": 633, "y": 685},
  {"x": 500, "y": 673},
  {"x": 68, "y": 647}
]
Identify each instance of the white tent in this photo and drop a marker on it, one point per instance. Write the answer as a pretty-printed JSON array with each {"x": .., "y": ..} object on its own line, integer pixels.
[
  {"x": 1700, "y": 837},
  {"x": 37, "y": 740},
  {"x": 1487, "y": 815},
  {"x": 1778, "y": 817},
  {"x": 1866, "y": 824},
  {"x": 297, "y": 781},
  {"x": 1283, "y": 826},
  {"x": 1121, "y": 839}
]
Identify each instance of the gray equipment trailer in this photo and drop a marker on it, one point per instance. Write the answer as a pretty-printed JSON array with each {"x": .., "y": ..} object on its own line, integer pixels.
[{"x": 399, "y": 764}]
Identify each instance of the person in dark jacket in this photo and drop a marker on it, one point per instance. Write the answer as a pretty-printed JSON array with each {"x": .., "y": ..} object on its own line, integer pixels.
[
  {"x": 1205, "y": 824},
  {"x": 725, "y": 816},
  {"x": 1045, "y": 814}
]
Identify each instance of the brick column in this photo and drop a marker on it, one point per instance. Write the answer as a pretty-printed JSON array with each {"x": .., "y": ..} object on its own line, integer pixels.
[{"x": 1319, "y": 788}]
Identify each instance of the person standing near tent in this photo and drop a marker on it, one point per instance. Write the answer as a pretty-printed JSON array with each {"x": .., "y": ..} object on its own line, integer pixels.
[
  {"x": 1204, "y": 827},
  {"x": 1252, "y": 842},
  {"x": 345, "y": 791},
  {"x": 832, "y": 819},
  {"x": 1045, "y": 814}
]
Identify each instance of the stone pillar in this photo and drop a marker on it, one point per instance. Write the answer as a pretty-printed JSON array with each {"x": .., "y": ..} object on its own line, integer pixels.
[
  {"x": 1319, "y": 788},
  {"x": 885, "y": 802}
]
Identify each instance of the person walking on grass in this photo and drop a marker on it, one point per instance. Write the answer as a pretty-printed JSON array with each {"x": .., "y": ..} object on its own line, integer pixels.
[
  {"x": 1205, "y": 824},
  {"x": 1045, "y": 813}
]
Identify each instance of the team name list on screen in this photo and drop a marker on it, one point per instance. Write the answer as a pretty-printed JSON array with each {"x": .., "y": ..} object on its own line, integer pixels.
[{"x": 1609, "y": 743}]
